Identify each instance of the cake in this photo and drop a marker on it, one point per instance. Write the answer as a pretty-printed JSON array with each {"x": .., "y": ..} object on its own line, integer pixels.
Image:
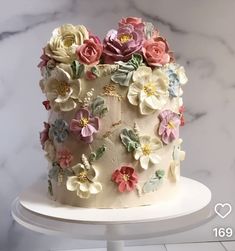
[{"x": 115, "y": 107}]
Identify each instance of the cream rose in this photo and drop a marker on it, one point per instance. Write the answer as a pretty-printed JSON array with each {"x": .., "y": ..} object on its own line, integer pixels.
[{"x": 64, "y": 42}]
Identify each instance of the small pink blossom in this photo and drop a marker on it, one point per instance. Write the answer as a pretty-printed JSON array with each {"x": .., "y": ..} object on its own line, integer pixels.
[
  {"x": 169, "y": 126},
  {"x": 44, "y": 135},
  {"x": 64, "y": 158},
  {"x": 46, "y": 61},
  {"x": 156, "y": 51},
  {"x": 90, "y": 75},
  {"x": 126, "y": 178},
  {"x": 90, "y": 51},
  {"x": 135, "y": 21},
  {"x": 84, "y": 125},
  {"x": 182, "y": 119},
  {"x": 46, "y": 104}
]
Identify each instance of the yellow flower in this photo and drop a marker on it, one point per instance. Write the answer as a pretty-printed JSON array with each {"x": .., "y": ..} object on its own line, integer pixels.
[
  {"x": 64, "y": 41},
  {"x": 149, "y": 89}
]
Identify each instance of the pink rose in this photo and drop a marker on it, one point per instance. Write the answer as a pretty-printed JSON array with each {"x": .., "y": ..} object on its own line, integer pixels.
[
  {"x": 95, "y": 38},
  {"x": 89, "y": 52},
  {"x": 135, "y": 21},
  {"x": 156, "y": 51},
  {"x": 64, "y": 158}
]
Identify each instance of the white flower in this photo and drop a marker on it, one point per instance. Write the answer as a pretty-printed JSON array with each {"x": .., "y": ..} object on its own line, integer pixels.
[
  {"x": 180, "y": 71},
  {"x": 64, "y": 41},
  {"x": 182, "y": 78},
  {"x": 49, "y": 148},
  {"x": 149, "y": 89},
  {"x": 61, "y": 90},
  {"x": 147, "y": 151},
  {"x": 178, "y": 156},
  {"x": 84, "y": 182}
]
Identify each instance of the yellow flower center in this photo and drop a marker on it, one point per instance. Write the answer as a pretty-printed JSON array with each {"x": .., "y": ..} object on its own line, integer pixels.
[
  {"x": 125, "y": 38},
  {"x": 63, "y": 88},
  {"x": 126, "y": 177},
  {"x": 171, "y": 125},
  {"x": 82, "y": 177},
  {"x": 84, "y": 122},
  {"x": 150, "y": 89},
  {"x": 68, "y": 40},
  {"x": 146, "y": 149}
]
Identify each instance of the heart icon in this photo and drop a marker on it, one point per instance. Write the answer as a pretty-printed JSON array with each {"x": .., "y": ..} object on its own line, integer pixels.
[{"x": 223, "y": 209}]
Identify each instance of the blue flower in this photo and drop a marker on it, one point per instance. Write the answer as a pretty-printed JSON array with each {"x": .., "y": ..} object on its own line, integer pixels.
[
  {"x": 173, "y": 83},
  {"x": 59, "y": 130},
  {"x": 177, "y": 78}
]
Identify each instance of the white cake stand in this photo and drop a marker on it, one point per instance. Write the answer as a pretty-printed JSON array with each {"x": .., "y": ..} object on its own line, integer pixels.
[{"x": 34, "y": 210}]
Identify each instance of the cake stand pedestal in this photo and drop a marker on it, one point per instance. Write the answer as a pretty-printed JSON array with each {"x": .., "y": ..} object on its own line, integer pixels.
[{"x": 190, "y": 208}]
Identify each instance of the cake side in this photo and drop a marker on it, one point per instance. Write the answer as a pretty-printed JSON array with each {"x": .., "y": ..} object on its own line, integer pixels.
[{"x": 112, "y": 138}]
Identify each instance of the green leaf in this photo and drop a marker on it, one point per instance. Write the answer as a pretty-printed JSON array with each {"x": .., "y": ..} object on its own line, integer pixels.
[
  {"x": 100, "y": 151},
  {"x": 129, "y": 139},
  {"x": 136, "y": 60},
  {"x": 68, "y": 172},
  {"x": 97, "y": 154},
  {"x": 54, "y": 171},
  {"x": 95, "y": 71},
  {"x": 122, "y": 76},
  {"x": 78, "y": 69},
  {"x": 50, "y": 190},
  {"x": 125, "y": 71},
  {"x": 160, "y": 173},
  {"x": 154, "y": 182},
  {"x": 98, "y": 107},
  {"x": 92, "y": 157}
]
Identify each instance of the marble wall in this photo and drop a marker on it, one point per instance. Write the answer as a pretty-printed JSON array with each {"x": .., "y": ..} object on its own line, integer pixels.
[{"x": 202, "y": 34}]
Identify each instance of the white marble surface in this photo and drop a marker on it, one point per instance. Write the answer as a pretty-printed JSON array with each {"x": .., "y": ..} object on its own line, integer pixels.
[{"x": 202, "y": 34}]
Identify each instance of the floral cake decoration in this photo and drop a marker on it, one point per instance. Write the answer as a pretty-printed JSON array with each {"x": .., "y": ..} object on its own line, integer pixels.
[{"x": 140, "y": 61}]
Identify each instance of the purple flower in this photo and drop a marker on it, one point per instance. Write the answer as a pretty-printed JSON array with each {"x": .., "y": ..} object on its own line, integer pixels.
[
  {"x": 84, "y": 125},
  {"x": 121, "y": 44},
  {"x": 169, "y": 126}
]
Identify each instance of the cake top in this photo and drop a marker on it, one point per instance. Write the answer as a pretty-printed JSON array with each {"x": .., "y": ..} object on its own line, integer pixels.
[{"x": 74, "y": 52}]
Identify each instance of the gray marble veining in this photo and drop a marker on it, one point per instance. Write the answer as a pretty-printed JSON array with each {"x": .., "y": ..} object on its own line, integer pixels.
[{"x": 202, "y": 35}]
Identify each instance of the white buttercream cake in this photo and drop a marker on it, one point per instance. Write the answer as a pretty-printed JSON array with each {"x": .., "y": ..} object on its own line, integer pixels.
[{"x": 115, "y": 108}]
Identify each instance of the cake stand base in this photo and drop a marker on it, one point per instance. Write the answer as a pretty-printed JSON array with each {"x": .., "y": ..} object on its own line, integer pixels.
[{"x": 190, "y": 208}]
